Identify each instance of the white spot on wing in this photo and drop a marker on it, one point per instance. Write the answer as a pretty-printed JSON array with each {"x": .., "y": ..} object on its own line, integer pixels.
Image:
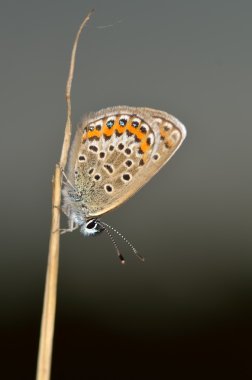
[
  {"x": 167, "y": 126},
  {"x": 126, "y": 117},
  {"x": 111, "y": 118},
  {"x": 175, "y": 136},
  {"x": 91, "y": 127},
  {"x": 136, "y": 119}
]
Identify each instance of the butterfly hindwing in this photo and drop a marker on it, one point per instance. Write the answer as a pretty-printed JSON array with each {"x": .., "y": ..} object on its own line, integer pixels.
[{"x": 116, "y": 151}]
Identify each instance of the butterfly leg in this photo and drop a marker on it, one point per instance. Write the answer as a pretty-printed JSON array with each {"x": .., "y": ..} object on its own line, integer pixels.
[
  {"x": 67, "y": 180},
  {"x": 71, "y": 227},
  {"x": 65, "y": 230}
]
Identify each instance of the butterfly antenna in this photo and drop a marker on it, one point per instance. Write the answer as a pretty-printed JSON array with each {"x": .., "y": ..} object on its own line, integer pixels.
[
  {"x": 115, "y": 245},
  {"x": 126, "y": 240}
]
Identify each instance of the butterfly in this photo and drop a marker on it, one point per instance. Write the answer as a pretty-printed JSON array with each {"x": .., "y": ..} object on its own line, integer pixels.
[{"x": 114, "y": 153}]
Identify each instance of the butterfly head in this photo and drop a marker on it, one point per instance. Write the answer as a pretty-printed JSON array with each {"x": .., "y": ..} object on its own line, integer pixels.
[{"x": 92, "y": 227}]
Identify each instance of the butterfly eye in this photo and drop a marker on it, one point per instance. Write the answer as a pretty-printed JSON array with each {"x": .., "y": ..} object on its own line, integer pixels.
[
  {"x": 92, "y": 227},
  {"x": 92, "y": 224}
]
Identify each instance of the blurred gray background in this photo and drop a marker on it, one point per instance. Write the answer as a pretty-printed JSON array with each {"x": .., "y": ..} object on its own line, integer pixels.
[{"x": 187, "y": 310}]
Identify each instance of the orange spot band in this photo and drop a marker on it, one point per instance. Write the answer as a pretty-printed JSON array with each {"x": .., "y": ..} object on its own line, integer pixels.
[{"x": 144, "y": 146}]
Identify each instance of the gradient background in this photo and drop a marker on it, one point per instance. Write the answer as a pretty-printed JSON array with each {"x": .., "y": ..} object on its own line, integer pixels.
[{"x": 187, "y": 311}]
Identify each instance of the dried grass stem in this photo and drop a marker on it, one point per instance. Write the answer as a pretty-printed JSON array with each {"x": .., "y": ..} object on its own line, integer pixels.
[{"x": 50, "y": 293}]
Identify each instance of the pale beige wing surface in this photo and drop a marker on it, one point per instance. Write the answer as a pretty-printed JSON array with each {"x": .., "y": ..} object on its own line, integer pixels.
[{"x": 118, "y": 150}]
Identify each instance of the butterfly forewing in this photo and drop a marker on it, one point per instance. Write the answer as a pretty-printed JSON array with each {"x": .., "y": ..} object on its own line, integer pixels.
[{"x": 116, "y": 151}]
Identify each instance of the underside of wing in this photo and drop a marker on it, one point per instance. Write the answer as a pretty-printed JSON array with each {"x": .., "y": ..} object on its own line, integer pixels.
[{"x": 118, "y": 150}]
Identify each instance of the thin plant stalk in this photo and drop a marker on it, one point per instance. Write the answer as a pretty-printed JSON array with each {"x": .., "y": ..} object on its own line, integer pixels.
[{"x": 50, "y": 292}]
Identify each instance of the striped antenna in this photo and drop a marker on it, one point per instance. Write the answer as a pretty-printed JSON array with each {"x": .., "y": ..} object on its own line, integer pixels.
[
  {"x": 122, "y": 237},
  {"x": 115, "y": 245}
]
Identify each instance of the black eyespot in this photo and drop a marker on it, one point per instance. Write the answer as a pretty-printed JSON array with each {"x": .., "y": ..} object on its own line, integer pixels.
[
  {"x": 156, "y": 156},
  {"x": 141, "y": 162},
  {"x": 127, "y": 151},
  {"x": 106, "y": 137},
  {"x": 102, "y": 154},
  {"x": 111, "y": 147},
  {"x": 122, "y": 122},
  {"x": 120, "y": 146},
  {"x": 91, "y": 171},
  {"x": 109, "y": 168},
  {"x": 93, "y": 138},
  {"x": 93, "y": 148},
  {"x": 109, "y": 188},
  {"x": 143, "y": 129},
  {"x": 128, "y": 163},
  {"x": 91, "y": 128},
  {"x": 98, "y": 127},
  {"x": 118, "y": 133},
  {"x": 81, "y": 158},
  {"x": 135, "y": 124},
  {"x": 148, "y": 141},
  {"x": 110, "y": 123},
  {"x": 97, "y": 177},
  {"x": 90, "y": 225},
  {"x": 126, "y": 177}
]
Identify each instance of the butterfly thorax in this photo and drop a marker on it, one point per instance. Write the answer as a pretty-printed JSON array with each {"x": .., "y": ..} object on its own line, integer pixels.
[
  {"x": 73, "y": 205},
  {"x": 77, "y": 213}
]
